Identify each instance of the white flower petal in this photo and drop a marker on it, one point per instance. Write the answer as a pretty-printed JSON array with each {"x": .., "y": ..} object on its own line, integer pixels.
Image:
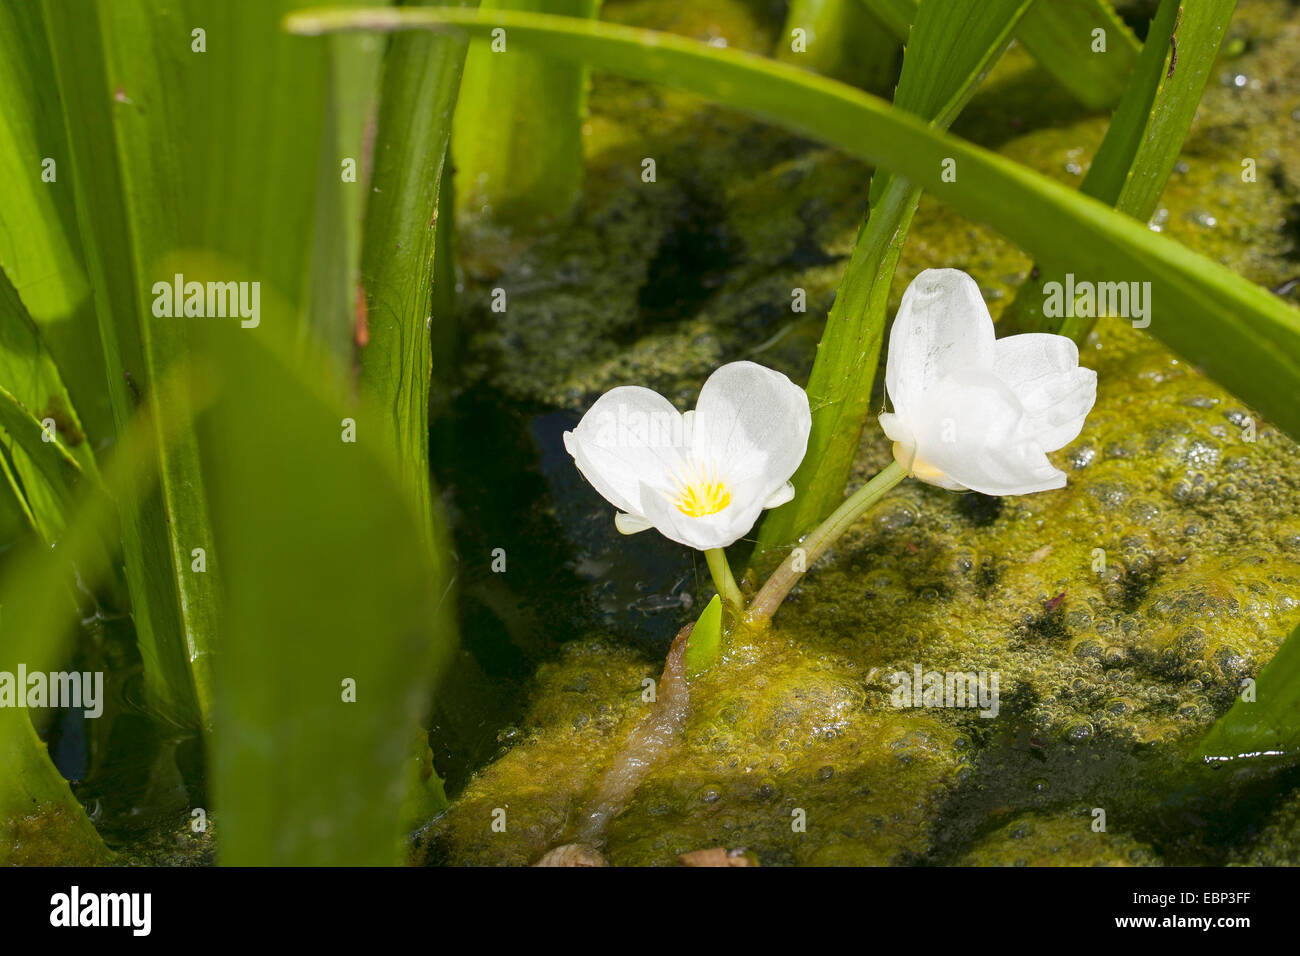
[
  {"x": 718, "y": 530},
  {"x": 701, "y": 478},
  {"x": 779, "y": 497},
  {"x": 942, "y": 326},
  {"x": 1022, "y": 359},
  {"x": 1043, "y": 370},
  {"x": 973, "y": 432},
  {"x": 753, "y": 423},
  {"x": 631, "y": 524},
  {"x": 896, "y": 428},
  {"x": 631, "y": 436},
  {"x": 905, "y": 454}
]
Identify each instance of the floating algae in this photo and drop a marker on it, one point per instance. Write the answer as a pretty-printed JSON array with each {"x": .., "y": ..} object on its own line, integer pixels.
[{"x": 1121, "y": 612}]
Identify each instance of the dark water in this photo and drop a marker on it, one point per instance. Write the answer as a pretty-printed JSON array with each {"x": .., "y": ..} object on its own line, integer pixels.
[{"x": 508, "y": 483}]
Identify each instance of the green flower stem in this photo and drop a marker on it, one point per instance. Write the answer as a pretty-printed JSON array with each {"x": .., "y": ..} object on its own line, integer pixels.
[
  {"x": 723, "y": 579},
  {"x": 812, "y": 547}
]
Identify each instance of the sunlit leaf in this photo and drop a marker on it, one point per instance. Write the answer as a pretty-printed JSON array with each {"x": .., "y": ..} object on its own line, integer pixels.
[
  {"x": 705, "y": 642},
  {"x": 335, "y": 612},
  {"x": 40, "y": 246},
  {"x": 151, "y": 118},
  {"x": 47, "y": 450},
  {"x": 1062, "y": 36},
  {"x": 1240, "y": 334},
  {"x": 1266, "y": 726},
  {"x": 1144, "y": 139},
  {"x": 518, "y": 144},
  {"x": 954, "y": 45}
]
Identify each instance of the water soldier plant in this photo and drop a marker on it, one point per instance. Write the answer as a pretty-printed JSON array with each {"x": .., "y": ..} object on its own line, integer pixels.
[
  {"x": 971, "y": 413},
  {"x": 226, "y": 504}
]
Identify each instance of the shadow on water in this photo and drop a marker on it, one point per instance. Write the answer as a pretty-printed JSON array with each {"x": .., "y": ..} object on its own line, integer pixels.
[
  {"x": 540, "y": 564},
  {"x": 1188, "y": 814}
]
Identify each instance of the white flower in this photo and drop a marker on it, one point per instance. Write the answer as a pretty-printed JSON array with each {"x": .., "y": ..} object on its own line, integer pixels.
[
  {"x": 701, "y": 478},
  {"x": 972, "y": 411}
]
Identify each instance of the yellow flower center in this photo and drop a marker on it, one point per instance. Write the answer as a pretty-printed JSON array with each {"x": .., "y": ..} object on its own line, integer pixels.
[
  {"x": 701, "y": 493},
  {"x": 703, "y": 498}
]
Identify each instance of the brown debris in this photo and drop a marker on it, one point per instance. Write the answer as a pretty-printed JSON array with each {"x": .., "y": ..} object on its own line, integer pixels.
[
  {"x": 572, "y": 854},
  {"x": 718, "y": 856}
]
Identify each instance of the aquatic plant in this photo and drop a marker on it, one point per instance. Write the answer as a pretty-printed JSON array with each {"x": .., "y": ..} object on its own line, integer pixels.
[
  {"x": 972, "y": 412},
  {"x": 700, "y": 478},
  {"x": 228, "y": 280}
]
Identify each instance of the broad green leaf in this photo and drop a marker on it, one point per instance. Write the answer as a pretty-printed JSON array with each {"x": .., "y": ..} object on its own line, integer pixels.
[
  {"x": 705, "y": 643},
  {"x": 1237, "y": 332},
  {"x": 1061, "y": 35},
  {"x": 518, "y": 143},
  {"x": 1268, "y": 725},
  {"x": 47, "y": 474},
  {"x": 897, "y": 15},
  {"x": 331, "y": 316},
  {"x": 954, "y": 45},
  {"x": 840, "y": 38},
  {"x": 336, "y": 611},
  {"x": 1145, "y": 137},
  {"x": 407, "y": 249},
  {"x": 46, "y": 458},
  {"x": 40, "y": 247},
  {"x": 37, "y": 625},
  {"x": 173, "y": 149},
  {"x": 41, "y": 823}
]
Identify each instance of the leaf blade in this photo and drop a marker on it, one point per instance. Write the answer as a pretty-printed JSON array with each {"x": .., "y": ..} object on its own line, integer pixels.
[
  {"x": 1203, "y": 303},
  {"x": 953, "y": 47},
  {"x": 1145, "y": 137}
]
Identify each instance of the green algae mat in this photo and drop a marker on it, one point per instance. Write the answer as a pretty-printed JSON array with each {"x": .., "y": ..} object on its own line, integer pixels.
[{"x": 1120, "y": 613}]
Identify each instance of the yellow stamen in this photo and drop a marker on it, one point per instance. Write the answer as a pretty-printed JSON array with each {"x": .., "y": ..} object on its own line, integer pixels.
[
  {"x": 701, "y": 494},
  {"x": 707, "y": 498}
]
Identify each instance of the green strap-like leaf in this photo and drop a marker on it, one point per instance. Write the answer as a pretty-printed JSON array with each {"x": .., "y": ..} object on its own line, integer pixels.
[
  {"x": 406, "y": 245},
  {"x": 421, "y": 78},
  {"x": 843, "y": 39},
  {"x": 1242, "y": 335},
  {"x": 41, "y": 430},
  {"x": 158, "y": 117},
  {"x": 1269, "y": 723},
  {"x": 1062, "y": 36},
  {"x": 518, "y": 144},
  {"x": 954, "y": 45},
  {"x": 1145, "y": 137},
  {"x": 333, "y": 288},
  {"x": 335, "y": 613},
  {"x": 41, "y": 823},
  {"x": 897, "y": 15},
  {"x": 40, "y": 246}
]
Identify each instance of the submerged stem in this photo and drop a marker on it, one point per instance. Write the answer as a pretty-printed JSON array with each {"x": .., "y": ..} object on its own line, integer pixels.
[
  {"x": 723, "y": 579},
  {"x": 812, "y": 547}
]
